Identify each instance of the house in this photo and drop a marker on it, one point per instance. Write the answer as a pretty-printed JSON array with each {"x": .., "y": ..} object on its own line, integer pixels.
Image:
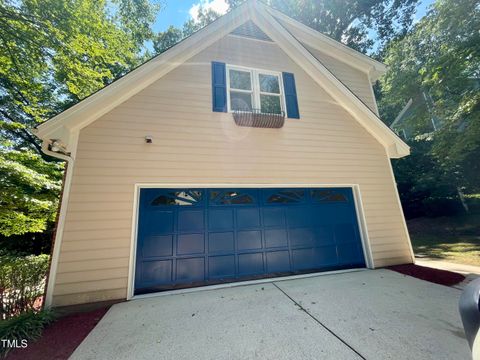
[
  {"x": 165, "y": 191},
  {"x": 420, "y": 118},
  {"x": 406, "y": 123}
]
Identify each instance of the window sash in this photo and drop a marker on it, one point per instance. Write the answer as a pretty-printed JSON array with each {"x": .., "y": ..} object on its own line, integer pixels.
[
  {"x": 260, "y": 73},
  {"x": 255, "y": 85},
  {"x": 244, "y": 71}
]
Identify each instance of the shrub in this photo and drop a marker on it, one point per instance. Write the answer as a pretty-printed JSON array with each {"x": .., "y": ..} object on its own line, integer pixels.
[
  {"x": 27, "y": 326},
  {"x": 22, "y": 282}
]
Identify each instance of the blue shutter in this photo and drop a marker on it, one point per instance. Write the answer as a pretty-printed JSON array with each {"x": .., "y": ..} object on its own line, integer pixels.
[
  {"x": 290, "y": 96},
  {"x": 219, "y": 87}
]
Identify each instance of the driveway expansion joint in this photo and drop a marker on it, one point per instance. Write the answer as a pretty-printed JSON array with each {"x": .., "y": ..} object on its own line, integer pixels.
[{"x": 318, "y": 321}]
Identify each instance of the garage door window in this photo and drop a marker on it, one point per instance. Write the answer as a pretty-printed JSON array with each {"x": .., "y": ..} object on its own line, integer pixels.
[
  {"x": 286, "y": 197},
  {"x": 181, "y": 198},
  {"x": 228, "y": 197},
  {"x": 324, "y": 196}
]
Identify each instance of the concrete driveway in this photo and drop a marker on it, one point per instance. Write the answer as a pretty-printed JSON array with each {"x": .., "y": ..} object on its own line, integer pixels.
[{"x": 371, "y": 314}]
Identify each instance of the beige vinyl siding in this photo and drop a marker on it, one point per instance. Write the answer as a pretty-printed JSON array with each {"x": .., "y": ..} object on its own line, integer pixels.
[
  {"x": 193, "y": 145},
  {"x": 356, "y": 80}
]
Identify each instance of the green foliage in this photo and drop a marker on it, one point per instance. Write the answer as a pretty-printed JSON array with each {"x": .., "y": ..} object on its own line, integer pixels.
[
  {"x": 167, "y": 39},
  {"x": 173, "y": 35},
  {"x": 29, "y": 189},
  {"x": 204, "y": 17},
  {"x": 55, "y": 53},
  {"x": 22, "y": 281},
  {"x": 135, "y": 18},
  {"x": 27, "y": 326},
  {"x": 351, "y": 21},
  {"x": 439, "y": 59},
  {"x": 58, "y": 52},
  {"x": 420, "y": 189}
]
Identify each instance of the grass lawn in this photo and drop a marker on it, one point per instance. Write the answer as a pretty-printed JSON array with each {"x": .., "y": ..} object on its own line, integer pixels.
[{"x": 455, "y": 239}]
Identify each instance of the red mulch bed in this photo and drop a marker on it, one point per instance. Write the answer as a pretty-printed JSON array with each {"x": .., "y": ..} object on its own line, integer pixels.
[
  {"x": 61, "y": 338},
  {"x": 436, "y": 276}
]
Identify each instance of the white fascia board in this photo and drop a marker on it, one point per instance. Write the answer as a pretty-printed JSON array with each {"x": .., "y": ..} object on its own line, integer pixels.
[
  {"x": 329, "y": 46},
  {"x": 98, "y": 104},
  {"x": 312, "y": 66}
]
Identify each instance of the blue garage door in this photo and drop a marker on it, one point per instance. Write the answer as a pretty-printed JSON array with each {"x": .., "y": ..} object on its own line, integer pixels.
[{"x": 193, "y": 237}]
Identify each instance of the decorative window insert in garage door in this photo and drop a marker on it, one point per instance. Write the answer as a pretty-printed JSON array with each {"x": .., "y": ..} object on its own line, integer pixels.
[{"x": 194, "y": 237}]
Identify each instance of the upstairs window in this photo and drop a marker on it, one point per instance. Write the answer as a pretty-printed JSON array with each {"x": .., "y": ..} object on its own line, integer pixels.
[{"x": 250, "y": 89}]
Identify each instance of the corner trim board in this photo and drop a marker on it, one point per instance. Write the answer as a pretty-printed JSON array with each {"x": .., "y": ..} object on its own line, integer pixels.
[
  {"x": 57, "y": 242},
  {"x": 402, "y": 215}
]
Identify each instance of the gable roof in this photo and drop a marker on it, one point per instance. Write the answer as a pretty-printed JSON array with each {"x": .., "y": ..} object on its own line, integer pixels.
[{"x": 65, "y": 126}]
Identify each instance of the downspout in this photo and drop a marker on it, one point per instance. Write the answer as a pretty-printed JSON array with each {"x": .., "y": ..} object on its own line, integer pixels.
[{"x": 59, "y": 221}]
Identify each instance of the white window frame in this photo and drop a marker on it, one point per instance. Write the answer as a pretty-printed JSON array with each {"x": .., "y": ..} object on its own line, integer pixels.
[{"x": 255, "y": 82}]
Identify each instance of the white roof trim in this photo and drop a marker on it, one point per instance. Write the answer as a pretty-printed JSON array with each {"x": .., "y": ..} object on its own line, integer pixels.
[
  {"x": 66, "y": 125},
  {"x": 329, "y": 46},
  {"x": 294, "y": 49}
]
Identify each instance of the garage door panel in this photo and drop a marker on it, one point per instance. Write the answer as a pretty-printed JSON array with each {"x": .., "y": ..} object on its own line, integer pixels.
[
  {"x": 278, "y": 261},
  {"x": 158, "y": 272},
  {"x": 302, "y": 237},
  {"x": 303, "y": 259},
  {"x": 190, "y": 270},
  {"x": 275, "y": 238},
  {"x": 250, "y": 264},
  {"x": 158, "y": 223},
  {"x": 344, "y": 233},
  {"x": 154, "y": 246},
  {"x": 324, "y": 235},
  {"x": 189, "y": 237},
  {"x": 326, "y": 256},
  {"x": 313, "y": 258},
  {"x": 220, "y": 219},
  {"x": 190, "y": 244},
  {"x": 249, "y": 240},
  {"x": 221, "y": 267},
  {"x": 248, "y": 218},
  {"x": 350, "y": 254},
  {"x": 299, "y": 216},
  {"x": 191, "y": 220},
  {"x": 274, "y": 217},
  {"x": 221, "y": 242},
  {"x": 334, "y": 212}
]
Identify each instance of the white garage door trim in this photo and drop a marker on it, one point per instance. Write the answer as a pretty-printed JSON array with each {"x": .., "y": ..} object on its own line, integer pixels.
[{"x": 367, "y": 251}]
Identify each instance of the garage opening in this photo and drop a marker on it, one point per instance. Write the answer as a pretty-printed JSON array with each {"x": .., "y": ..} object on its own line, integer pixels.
[{"x": 197, "y": 237}]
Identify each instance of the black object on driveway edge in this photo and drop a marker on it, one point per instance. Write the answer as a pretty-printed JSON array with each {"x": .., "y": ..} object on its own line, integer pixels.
[{"x": 469, "y": 306}]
